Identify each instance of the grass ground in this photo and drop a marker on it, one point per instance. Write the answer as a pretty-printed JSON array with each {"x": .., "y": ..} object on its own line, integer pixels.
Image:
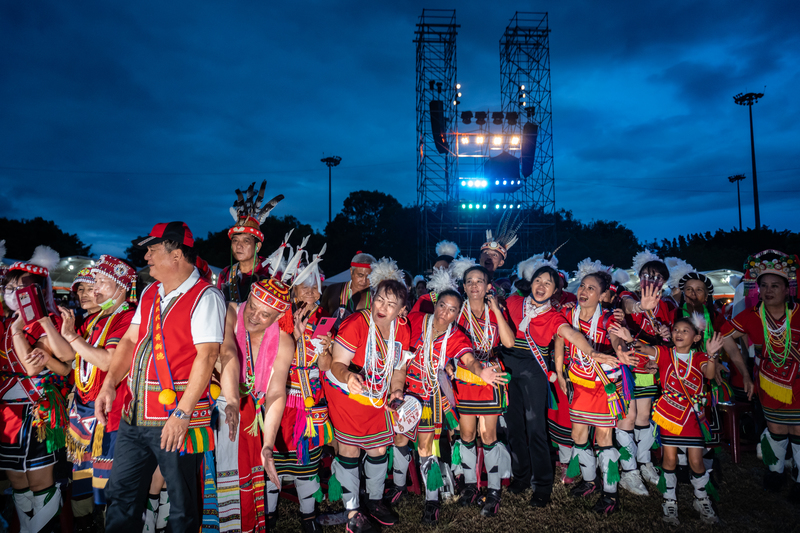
[{"x": 743, "y": 507}]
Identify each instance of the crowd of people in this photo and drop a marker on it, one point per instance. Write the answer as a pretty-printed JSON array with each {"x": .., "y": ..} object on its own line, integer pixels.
[{"x": 186, "y": 392}]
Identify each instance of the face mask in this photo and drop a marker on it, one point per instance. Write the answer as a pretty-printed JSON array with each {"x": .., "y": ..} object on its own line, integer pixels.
[
  {"x": 108, "y": 304},
  {"x": 11, "y": 301}
]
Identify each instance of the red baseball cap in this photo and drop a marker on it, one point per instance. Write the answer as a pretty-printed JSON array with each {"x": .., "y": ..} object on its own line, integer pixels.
[{"x": 167, "y": 231}]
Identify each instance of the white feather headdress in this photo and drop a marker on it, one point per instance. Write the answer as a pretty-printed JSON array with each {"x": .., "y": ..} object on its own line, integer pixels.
[
  {"x": 525, "y": 269},
  {"x": 677, "y": 269},
  {"x": 417, "y": 279},
  {"x": 620, "y": 276},
  {"x": 448, "y": 248},
  {"x": 383, "y": 269},
  {"x": 642, "y": 258},
  {"x": 459, "y": 266},
  {"x": 275, "y": 262},
  {"x": 441, "y": 280},
  {"x": 311, "y": 272},
  {"x": 45, "y": 257},
  {"x": 587, "y": 266},
  {"x": 699, "y": 322},
  {"x": 293, "y": 265}
]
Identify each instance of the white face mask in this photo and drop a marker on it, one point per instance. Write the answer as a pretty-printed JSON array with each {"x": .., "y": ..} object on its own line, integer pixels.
[{"x": 11, "y": 300}]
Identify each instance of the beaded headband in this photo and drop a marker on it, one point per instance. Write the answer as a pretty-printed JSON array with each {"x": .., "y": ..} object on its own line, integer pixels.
[{"x": 272, "y": 293}]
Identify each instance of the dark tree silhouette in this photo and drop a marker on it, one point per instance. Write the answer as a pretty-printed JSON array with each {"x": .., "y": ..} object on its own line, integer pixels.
[{"x": 23, "y": 236}]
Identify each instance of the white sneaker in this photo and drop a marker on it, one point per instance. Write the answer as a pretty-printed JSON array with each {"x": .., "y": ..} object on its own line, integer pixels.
[
  {"x": 649, "y": 473},
  {"x": 703, "y": 506},
  {"x": 632, "y": 482},
  {"x": 670, "y": 508}
]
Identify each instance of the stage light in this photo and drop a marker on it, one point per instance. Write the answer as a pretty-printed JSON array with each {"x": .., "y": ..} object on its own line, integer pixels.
[
  {"x": 524, "y": 104},
  {"x": 511, "y": 118},
  {"x": 504, "y": 182},
  {"x": 455, "y": 102},
  {"x": 463, "y": 206},
  {"x": 466, "y": 117},
  {"x": 464, "y": 140},
  {"x": 523, "y": 95},
  {"x": 497, "y": 141},
  {"x": 497, "y": 118},
  {"x": 521, "y": 87},
  {"x": 505, "y": 206},
  {"x": 519, "y": 206},
  {"x": 463, "y": 183},
  {"x": 470, "y": 183},
  {"x": 497, "y": 206},
  {"x": 479, "y": 139},
  {"x": 459, "y": 95},
  {"x": 458, "y": 86},
  {"x": 480, "y": 118},
  {"x": 470, "y": 206},
  {"x": 514, "y": 140},
  {"x": 497, "y": 182},
  {"x": 484, "y": 206}
]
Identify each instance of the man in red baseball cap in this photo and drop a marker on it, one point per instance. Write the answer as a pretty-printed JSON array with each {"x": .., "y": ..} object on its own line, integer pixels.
[{"x": 168, "y": 354}]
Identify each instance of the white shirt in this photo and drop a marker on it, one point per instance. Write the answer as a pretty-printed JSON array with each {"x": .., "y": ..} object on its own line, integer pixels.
[{"x": 208, "y": 318}]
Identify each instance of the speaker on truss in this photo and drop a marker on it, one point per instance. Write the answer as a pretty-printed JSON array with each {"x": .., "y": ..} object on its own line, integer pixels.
[
  {"x": 438, "y": 128},
  {"x": 528, "y": 150}
]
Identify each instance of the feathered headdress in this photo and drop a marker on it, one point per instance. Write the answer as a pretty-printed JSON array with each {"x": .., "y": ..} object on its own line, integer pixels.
[
  {"x": 698, "y": 321},
  {"x": 459, "y": 266},
  {"x": 441, "y": 280},
  {"x": 275, "y": 262},
  {"x": 293, "y": 265},
  {"x": 769, "y": 262},
  {"x": 311, "y": 274},
  {"x": 525, "y": 269},
  {"x": 417, "y": 279},
  {"x": 587, "y": 266},
  {"x": 383, "y": 269},
  {"x": 642, "y": 258},
  {"x": 447, "y": 249},
  {"x": 619, "y": 277},
  {"x": 247, "y": 212},
  {"x": 505, "y": 236},
  {"x": 677, "y": 269}
]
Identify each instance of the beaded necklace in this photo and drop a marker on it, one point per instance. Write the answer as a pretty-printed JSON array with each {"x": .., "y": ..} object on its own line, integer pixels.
[
  {"x": 780, "y": 335},
  {"x": 676, "y": 364},
  {"x": 86, "y": 372},
  {"x": 379, "y": 361},
  {"x": 482, "y": 337},
  {"x": 584, "y": 360},
  {"x": 430, "y": 369}
]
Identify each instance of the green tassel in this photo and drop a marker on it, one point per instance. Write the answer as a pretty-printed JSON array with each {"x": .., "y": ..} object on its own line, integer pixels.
[
  {"x": 334, "y": 488},
  {"x": 706, "y": 433},
  {"x": 662, "y": 482},
  {"x": 610, "y": 388},
  {"x": 456, "y": 456},
  {"x": 451, "y": 420},
  {"x": 574, "y": 468},
  {"x": 612, "y": 476},
  {"x": 437, "y": 451},
  {"x": 434, "y": 479},
  {"x": 767, "y": 454},
  {"x": 625, "y": 454},
  {"x": 712, "y": 491},
  {"x": 554, "y": 444},
  {"x": 318, "y": 495},
  {"x": 390, "y": 454},
  {"x": 553, "y": 400}
]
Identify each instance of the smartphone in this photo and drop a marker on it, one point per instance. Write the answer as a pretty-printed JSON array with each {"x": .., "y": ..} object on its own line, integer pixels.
[{"x": 324, "y": 326}]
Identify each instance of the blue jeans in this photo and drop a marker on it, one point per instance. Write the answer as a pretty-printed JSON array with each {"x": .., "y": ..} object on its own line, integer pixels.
[{"x": 137, "y": 454}]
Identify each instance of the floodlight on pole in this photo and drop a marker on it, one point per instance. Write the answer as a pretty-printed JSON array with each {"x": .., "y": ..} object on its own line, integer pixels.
[
  {"x": 331, "y": 161},
  {"x": 736, "y": 179},
  {"x": 749, "y": 99}
]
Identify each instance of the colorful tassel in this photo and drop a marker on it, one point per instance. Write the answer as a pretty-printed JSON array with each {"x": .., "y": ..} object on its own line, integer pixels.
[
  {"x": 767, "y": 453},
  {"x": 624, "y": 453},
  {"x": 574, "y": 468},
  {"x": 427, "y": 414},
  {"x": 662, "y": 482},
  {"x": 613, "y": 476},
  {"x": 610, "y": 388},
  {"x": 452, "y": 421},
  {"x": 390, "y": 463},
  {"x": 456, "y": 457},
  {"x": 97, "y": 443},
  {"x": 434, "y": 479},
  {"x": 711, "y": 490},
  {"x": 628, "y": 383}
]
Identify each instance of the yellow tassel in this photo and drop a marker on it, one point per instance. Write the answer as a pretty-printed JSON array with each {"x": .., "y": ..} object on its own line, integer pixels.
[
  {"x": 665, "y": 424},
  {"x": 311, "y": 431},
  {"x": 775, "y": 390},
  {"x": 582, "y": 382},
  {"x": 437, "y": 452},
  {"x": 427, "y": 414},
  {"x": 252, "y": 429},
  {"x": 97, "y": 444}
]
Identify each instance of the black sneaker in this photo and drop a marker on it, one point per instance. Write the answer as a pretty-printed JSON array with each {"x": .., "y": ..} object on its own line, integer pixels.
[
  {"x": 359, "y": 523},
  {"x": 309, "y": 523},
  {"x": 491, "y": 503},
  {"x": 518, "y": 486},
  {"x": 430, "y": 516},
  {"x": 773, "y": 481},
  {"x": 540, "y": 499},
  {"x": 382, "y": 513},
  {"x": 607, "y": 504},
  {"x": 272, "y": 521},
  {"x": 460, "y": 484},
  {"x": 394, "y": 494},
  {"x": 583, "y": 489},
  {"x": 469, "y": 496}
]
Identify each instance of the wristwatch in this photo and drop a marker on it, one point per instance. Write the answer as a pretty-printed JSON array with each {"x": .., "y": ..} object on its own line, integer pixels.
[{"x": 180, "y": 415}]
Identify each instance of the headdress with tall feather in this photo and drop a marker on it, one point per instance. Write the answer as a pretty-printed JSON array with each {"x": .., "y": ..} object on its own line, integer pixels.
[
  {"x": 677, "y": 269},
  {"x": 383, "y": 269},
  {"x": 293, "y": 265},
  {"x": 587, "y": 266},
  {"x": 311, "y": 275},
  {"x": 642, "y": 258},
  {"x": 247, "y": 212},
  {"x": 526, "y": 268},
  {"x": 506, "y": 234},
  {"x": 275, "y": 260}
]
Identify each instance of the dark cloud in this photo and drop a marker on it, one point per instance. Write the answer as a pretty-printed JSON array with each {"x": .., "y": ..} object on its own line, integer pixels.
[{"x": 157, "y": 111}]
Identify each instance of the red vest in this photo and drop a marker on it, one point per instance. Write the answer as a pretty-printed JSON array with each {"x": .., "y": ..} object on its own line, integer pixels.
[{"x": 181, "y": 353}]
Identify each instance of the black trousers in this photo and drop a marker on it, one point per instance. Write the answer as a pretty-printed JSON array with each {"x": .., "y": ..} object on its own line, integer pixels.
[
  {"x": 526, "y": 418},
  {"x": 137, "y": 453}
]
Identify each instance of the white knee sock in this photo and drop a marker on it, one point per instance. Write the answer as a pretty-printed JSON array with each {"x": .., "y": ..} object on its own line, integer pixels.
[
  {"x": 671, "y": 482},
  {"x": 375, "y": 469},
  {"x": 23, "y": 501},
  {"x": 699, "y": 484},
  {"x": 426, "y": 465},
  {"x": 609, "y": 466},
  {"x": 469, "y": 462},
  {"x": 773, "y": 450},
  {"x": 306, "y": 488},
  {"x": 625, "y": 440},
  {"x": 402, "y": 458},
  {"x": 273, "y": 493}
]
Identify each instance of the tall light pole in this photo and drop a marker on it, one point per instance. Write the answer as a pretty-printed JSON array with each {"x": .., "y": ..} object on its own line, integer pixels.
[
  {"x": 737, "y": 178},
  {"x": 749, "y": 99},
  {"x": 331, "y": 161}
]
